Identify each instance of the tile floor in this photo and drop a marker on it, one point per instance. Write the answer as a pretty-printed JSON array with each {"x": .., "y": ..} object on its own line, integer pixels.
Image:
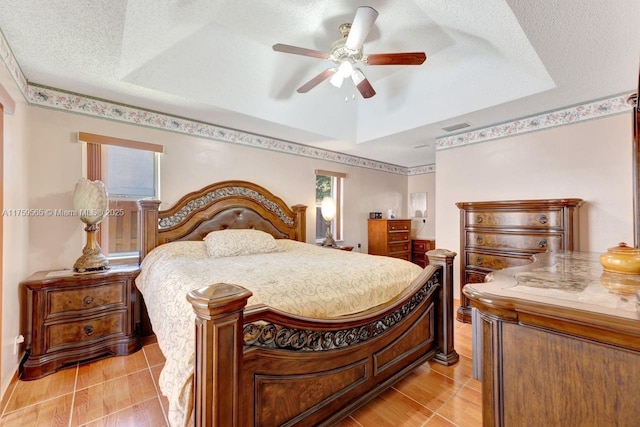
[{"x": 123, "y": 391}]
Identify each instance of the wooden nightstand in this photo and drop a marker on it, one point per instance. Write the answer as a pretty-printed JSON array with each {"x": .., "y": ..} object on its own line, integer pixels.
[
  {"x": 74, "y": 317},
  {"x": 419, "y": 249}
]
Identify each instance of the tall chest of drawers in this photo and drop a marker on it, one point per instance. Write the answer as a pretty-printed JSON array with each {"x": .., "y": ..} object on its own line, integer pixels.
[
  {"x": 501, "y": 234},
  {"x": 76, "y": 317},
  {"x": 390, "y": 237}
]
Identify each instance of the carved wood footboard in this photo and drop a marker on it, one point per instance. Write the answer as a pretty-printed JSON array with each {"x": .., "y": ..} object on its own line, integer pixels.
[{"x": 263, "y": 367}]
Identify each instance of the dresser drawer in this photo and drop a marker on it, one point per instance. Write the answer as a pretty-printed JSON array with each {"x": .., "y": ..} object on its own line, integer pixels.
[
  {"x": 66, "y": 301},
  {"x": 531, "y": 219},
  {"x": 399, "y": 247},
  {"x": 474, "y": 277},
  {"x": 402, "y": 236},
  {"x": 533, "y": 242},
  {"x": 402, "y": 255},
  {"x": 78, "y": 332},
  {"x": 399, "y": 225},
  {"x": 495, "y": 262}
]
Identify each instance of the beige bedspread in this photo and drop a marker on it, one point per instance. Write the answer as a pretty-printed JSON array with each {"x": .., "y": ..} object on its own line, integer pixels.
[{"x": 302, "y": 279}]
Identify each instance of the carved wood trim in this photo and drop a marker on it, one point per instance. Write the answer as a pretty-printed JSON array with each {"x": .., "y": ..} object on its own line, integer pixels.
[{"x": 272, "y": 335}]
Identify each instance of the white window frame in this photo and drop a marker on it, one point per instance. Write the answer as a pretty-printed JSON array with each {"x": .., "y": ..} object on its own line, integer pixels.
[
  {"x": 337, "y": 190},
  {"x": 95, "y": 154}
]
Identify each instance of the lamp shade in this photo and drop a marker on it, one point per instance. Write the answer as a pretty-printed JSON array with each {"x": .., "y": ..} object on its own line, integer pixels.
[
  {"x": 90, "y": 201},
  {"x": 328, "y": 208}
]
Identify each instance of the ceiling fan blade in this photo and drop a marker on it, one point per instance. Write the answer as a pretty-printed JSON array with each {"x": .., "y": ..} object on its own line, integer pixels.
[
  {"x": 365, "y": 88},
  {"x": 362, "y": 23},
  {"x": 408, "y": 58},
  {"x": 279, "y": 47},
  {"x": 316, "y": 80}
]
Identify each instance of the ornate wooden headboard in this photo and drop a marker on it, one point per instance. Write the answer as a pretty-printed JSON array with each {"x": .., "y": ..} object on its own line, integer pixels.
[{"x": 227, "y": 204}]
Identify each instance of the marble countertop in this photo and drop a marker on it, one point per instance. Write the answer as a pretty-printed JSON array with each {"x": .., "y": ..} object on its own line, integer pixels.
[{"x": 573, "y": 280}]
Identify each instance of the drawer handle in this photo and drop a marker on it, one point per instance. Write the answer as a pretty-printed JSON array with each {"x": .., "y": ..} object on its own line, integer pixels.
[
  {"x": 543, "y": 219},
  {"x": 88, "y": 330},
  {"x": 479, "y": 260},
  {"x": 479, "y": 240},
  {"x": 88, "y": 300},
  {"x": 543, "y": 243},
  {"x": 479, "y": 218}
]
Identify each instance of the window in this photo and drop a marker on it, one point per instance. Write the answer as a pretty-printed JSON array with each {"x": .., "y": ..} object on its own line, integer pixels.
[
  {"x": 130, "y": 172},
  {"x": 329, "y": 184}
]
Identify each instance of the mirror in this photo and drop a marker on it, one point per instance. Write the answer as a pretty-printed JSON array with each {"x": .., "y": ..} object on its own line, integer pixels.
[{"x": 418, "y": 205}]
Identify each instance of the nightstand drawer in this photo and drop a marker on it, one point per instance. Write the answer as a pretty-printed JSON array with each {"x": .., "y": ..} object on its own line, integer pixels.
[
  {"x": 77, "y": 332},
  {"x": 90, "y": 297}
]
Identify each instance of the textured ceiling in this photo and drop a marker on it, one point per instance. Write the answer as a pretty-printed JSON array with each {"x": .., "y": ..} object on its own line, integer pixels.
[{"x": 487, "y": 62}]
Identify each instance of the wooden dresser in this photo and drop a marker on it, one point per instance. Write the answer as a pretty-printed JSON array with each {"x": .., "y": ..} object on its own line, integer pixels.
[
  {"x": 559, "y": 344},
  {"x": 419, "y": 249},
  {"x": 75, "y": 317},
  {"x": 501, "y": 234},
  {"x": 390, "y": 237}
]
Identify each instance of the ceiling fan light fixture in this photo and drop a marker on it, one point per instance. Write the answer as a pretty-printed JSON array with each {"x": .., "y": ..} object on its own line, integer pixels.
[
  {"x": 344, "y": 70},
  {"x": 357, "y": 76},
  {"x": 336, "y": 80}
]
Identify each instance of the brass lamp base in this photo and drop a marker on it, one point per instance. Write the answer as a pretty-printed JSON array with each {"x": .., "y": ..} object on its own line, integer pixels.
[
  {"x": 328, "y": 240},
  {"x": 92, "y": 258}
]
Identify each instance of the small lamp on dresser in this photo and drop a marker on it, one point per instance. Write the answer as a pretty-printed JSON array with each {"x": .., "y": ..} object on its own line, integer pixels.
[{"x": 328, "y": 209}]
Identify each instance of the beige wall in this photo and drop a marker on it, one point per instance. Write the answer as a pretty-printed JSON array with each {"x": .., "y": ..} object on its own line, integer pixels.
[
  {"x": 16, "y": 228},
  {"x": 589, "y": 160},
  {"x": 188, "y": 164}
]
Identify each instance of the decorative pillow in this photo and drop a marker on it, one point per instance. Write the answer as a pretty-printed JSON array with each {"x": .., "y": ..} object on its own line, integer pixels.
[{"x": 234, "y": 242}]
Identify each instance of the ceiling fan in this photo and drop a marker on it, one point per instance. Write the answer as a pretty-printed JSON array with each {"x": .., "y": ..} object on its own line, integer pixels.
[{"x": 347, "y": 52}]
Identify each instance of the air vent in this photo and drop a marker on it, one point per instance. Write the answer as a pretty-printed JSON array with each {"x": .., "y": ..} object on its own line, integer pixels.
[{"x": 457, "y": 126}]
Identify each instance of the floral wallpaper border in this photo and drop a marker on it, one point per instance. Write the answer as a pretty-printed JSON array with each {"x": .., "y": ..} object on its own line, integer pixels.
[
  {"x": 76, "y": 103},
  {"x": 12, "y": 65},
  {"x": 587, "y": 111}
]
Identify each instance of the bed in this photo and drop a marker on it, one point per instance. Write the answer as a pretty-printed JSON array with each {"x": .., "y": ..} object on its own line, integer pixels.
[{"x": 256, "y": 364}]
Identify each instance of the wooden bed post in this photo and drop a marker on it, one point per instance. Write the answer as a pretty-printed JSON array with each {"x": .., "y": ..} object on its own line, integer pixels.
[
  {"x": 301, "y": 222},
  {"x": 147, "y": 240},
  {"x": 219, "y": 351},
  {"x": 147, "y": 226},
  {"x": 446, "y": 355}
]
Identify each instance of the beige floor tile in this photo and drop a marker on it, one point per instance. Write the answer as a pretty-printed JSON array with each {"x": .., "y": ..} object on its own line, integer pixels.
[
  {"x": 106, "y": 398},
  {"x": 143, "y": 414},
  {"x": 110, "y": 368},
  {"x": 464, "y": 409},
  {"x": 461, "y": 372},
  {"x": 427, "y": 387},
  {"x": 392, "y": 409},
  {"x": 438, "y": 421},
  {"x": 54, "y": 413},
  {"x": 30, "y": 392},
  {"x": 155, "y": 373},
  {"x": 154, "y": 355}
]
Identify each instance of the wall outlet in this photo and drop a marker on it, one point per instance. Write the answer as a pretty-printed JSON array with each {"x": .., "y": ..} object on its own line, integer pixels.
[
  {"x": 17, "y": 341},
  {"x": 359, "y": 245}
]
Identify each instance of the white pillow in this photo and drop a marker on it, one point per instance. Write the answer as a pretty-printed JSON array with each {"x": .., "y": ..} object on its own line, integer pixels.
[{"x": 234, "y": 242}]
